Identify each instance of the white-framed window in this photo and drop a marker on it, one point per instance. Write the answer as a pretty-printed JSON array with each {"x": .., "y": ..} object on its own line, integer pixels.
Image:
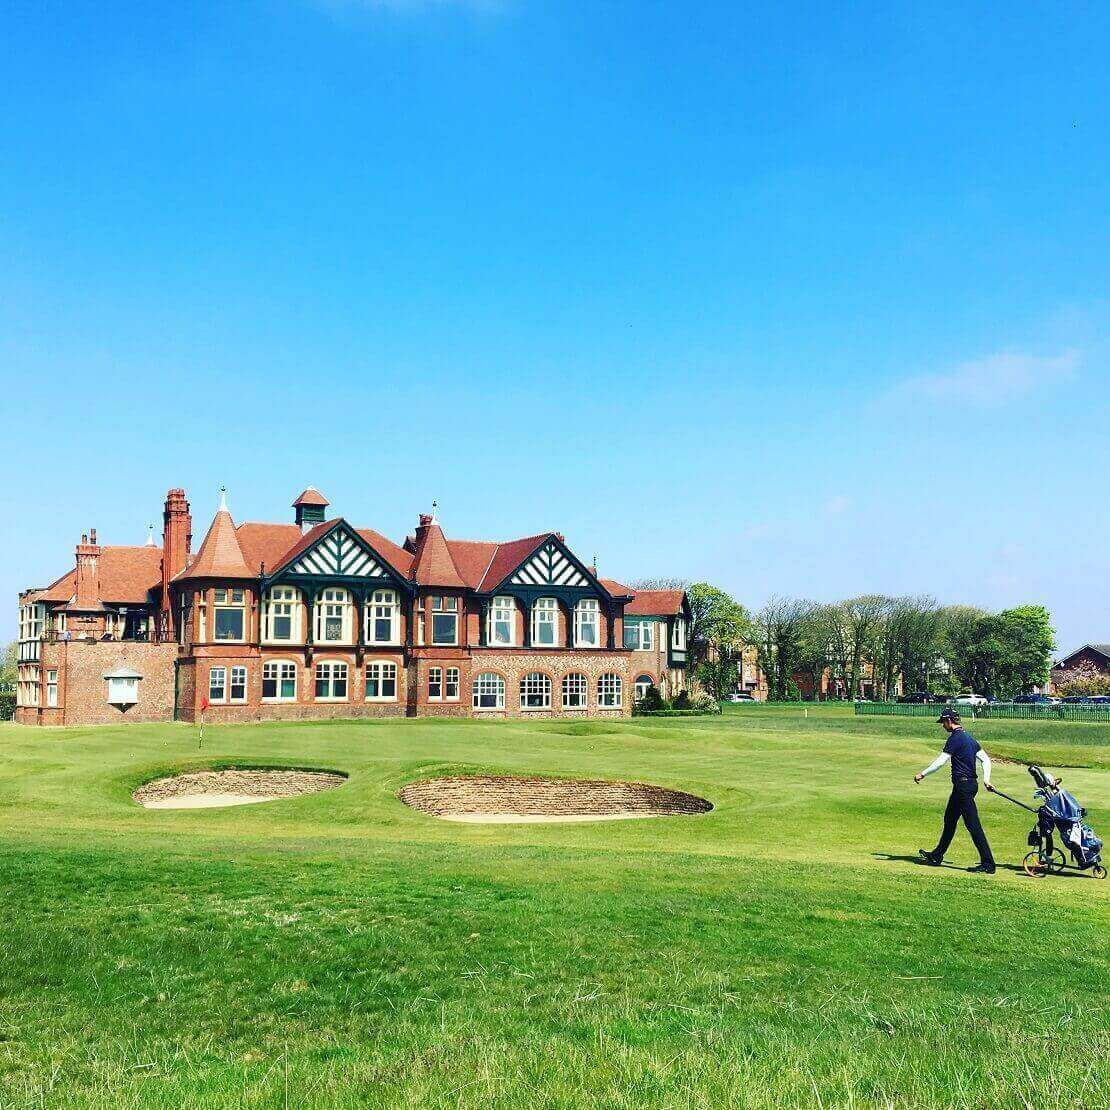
[
  {"x": 639, "y": 635},
  {"x": 435, "y": 684},
  {"x": 229, "y": 614},
  {"x": 576, "y": 688},
  {"x": 643, "y": 685},
  {"x": 545, "y": 622},
  {"x": 238, "y": 689},
  {"x": 217, "y": 684},
  {"x": 501, "y": 630},
  {"x": 51, "y": 688},
  {"x": 59, "y": 621},
  {"x": 279, "y": 680},
  {"x": 535, "y": 691},
  {"x": 451, "y": 684},
  {"x": 445, "y": 620},
  {"x": 31, "y": 618},
  {"x": 381, "y": 681},
  {"x": 489, "y": 691},
  {"x": 333, "y": 617},
  {"x": 27, "y": 692},
  {"x": 609, "y": 691},
  {"x": 678, "y": 634},
  {"x": 281, "y": 615},
  {"x": 202, "y": 618},
  {"x": 587, "y": 619},
  {"x": 331, "y": 680},
  {"x": 383, "y": 618},
  {"x": 123, "y": 691},
  {"x": 420, "y": 624}
]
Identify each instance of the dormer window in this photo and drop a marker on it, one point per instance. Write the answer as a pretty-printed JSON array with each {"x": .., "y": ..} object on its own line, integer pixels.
[
  {"x": 502, "y": 622},
  {"x": 383, "y": 618},
  {"x": 545, "y": 617},
  {"x": 586, "y": 621},
  {"x": 229, "y": 614}
]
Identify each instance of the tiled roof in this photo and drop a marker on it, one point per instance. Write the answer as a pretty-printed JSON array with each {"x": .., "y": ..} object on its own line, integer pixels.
[
  {"x": 220, "y": 555},
  {"x": 432, "y": 562},
  {"x": 655, "y": 603},
  {"x": 387, "y": 549},
  {"x": 311, "y": 496},
  {"x": 267, "y": 544},
  {"x": 617, "y": 589},
  {"x": 1102, "y": 649},
  {"x": 127, "y": 575},
  {"x": 508, "y": 557}
]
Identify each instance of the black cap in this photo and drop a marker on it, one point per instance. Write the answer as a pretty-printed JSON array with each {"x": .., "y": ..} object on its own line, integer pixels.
[{"x": 948, "y": 715}]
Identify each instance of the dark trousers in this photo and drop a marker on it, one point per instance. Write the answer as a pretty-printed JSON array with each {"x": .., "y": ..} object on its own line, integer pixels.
[{"x": 961, "y": 803}]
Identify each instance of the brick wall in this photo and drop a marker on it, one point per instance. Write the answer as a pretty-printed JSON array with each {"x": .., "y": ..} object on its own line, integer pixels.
[{"x": 512, "y": 665}]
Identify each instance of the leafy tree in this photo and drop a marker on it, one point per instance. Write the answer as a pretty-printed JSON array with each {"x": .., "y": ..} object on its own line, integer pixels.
[
  {"x": 863, "y": 618},
  {"x": 782, "y": 627},
  {"x": 910, "y": 642},
  {"x": 1030, "y": 640},
  {"x": 717, "y": 675},
  {"x": 1086, "y": 687},
  {"x": 9, "y": 666},
  {"x": 718, "y": 623},
  {"x": 660, "y": 583}
]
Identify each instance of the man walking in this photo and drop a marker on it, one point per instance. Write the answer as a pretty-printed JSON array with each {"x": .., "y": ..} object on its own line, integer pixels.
[{"x": 962, "y": 750}]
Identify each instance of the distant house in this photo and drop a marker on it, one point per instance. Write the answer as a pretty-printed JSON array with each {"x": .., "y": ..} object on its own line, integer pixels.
[{"x": 1090, "y": 661}]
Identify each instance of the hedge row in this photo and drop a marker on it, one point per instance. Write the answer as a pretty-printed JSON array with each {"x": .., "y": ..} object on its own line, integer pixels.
[{"x": 7, "y": 707}]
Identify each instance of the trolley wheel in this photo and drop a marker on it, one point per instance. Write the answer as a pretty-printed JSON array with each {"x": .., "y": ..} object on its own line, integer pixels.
[
  {"x": 1099, "y": 871},
  {"x": 1034, "y": 865},
  {"x": 1056, "y": 861}
]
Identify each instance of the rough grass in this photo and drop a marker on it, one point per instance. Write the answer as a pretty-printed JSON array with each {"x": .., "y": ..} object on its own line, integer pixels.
[{"x": 340, "y": 949}]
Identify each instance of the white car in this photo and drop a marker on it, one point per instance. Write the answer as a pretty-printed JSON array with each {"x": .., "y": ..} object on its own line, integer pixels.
[{"x": 971, "y": 699}]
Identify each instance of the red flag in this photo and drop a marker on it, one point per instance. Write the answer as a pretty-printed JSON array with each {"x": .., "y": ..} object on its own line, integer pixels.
[{"x": 203, "y": 704}]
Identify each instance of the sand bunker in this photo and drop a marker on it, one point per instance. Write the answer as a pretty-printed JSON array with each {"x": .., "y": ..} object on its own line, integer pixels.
[
  {"x": 207, "y": 789},
  {"x": 497, "y": 799}
]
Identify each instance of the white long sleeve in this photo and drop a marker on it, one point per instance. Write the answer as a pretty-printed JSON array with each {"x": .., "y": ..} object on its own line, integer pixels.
[
  {"x": 986, "y": 762},
  {"x": 937, "y": 764}
]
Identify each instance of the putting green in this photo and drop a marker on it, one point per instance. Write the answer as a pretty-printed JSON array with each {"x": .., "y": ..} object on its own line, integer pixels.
[{"x": 342, "y": 949}]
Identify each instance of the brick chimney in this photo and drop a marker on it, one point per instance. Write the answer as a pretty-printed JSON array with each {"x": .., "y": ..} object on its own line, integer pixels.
[
  {"x": 87, "y": 593},
  {"x": 177, "y": 542}
]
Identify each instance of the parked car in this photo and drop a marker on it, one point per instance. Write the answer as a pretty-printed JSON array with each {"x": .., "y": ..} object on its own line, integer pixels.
[
  {"x": 1034, "y": 699},
  {"x": 970, "y": 699},
  {"x": 740, "y": 695},
  {"x": 918, "y": 697}
]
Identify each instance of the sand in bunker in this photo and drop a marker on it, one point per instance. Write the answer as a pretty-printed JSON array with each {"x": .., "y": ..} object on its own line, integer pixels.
[
  {"x": 506, "y": 799},
  {"x": 211, "y": 789}
]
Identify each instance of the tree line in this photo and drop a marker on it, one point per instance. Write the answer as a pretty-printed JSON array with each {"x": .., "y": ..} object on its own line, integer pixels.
[{"x": 939, "y": 649}]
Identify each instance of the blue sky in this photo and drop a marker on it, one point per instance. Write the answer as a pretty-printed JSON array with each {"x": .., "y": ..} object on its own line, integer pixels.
[{"x": 796, "y": 298}]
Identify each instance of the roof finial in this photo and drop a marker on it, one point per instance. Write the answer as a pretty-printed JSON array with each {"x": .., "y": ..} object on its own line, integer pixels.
[
  {"x": 593, "y": 567},
  {"x": 150, "y": 536},
  {"x": 434, "y": 507},
  {"x": 223, "y": 499}
]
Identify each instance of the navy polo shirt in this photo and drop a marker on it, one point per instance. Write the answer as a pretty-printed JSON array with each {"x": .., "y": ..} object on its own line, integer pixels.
[{"x": 962, "y": 746}]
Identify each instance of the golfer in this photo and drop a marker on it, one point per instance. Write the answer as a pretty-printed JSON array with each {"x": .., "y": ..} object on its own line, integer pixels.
[{"x": 963, "y": 751}]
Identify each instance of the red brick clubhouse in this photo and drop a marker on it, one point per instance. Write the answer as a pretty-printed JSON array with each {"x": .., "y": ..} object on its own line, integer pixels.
[{"x": 317, "y": 618}]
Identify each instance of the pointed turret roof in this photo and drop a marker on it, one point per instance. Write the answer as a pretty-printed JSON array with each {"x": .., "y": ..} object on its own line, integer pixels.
[
  {"x": 220, "y": 555},
  {"x": 311, "y": 496},
  {"x": 432, "y": 562}
]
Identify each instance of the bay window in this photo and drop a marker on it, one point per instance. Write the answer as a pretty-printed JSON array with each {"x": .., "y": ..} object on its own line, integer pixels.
[
  {"x": 445, "y": 620},
  {"x": 331, "y": 681},
  {"x": 383, "y": 618},
  {"x": 678, "y": 635},
  {"x": 333, "y": 617},
  {"x": 501, "y": 630},
  {"x": 545, "y": 622},
  {"x": 279, "y": 681},
  {"x": 586, "y": 622},
  {"x": 381, "y": 681},
  {"x": 280, "y": 615}
]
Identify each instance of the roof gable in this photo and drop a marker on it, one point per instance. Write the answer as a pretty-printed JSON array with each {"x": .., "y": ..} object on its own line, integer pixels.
[
  {"x": 548, "y": 566},
  {"x": 336, "y": 550}
]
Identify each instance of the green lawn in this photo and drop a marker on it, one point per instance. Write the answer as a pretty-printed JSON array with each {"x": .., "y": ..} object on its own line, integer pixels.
[{"x": 342, "y": 950}]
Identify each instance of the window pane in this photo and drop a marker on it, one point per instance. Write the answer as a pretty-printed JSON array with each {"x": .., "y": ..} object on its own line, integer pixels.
[
  {"x": 229, "y": 624},
  {"x": 443, "y": 628},
  {"x": 283, "y": 628}
]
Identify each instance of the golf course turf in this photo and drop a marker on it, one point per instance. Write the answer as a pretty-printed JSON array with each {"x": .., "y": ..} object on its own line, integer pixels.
[{"x": 343, "y": 949}]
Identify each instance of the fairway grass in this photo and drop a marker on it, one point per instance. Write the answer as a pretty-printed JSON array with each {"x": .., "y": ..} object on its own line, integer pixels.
[{"x": 340, "y": 949}]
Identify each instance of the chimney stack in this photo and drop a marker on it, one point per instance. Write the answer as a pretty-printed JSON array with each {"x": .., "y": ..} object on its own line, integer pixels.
[
  {"x": 177, "y": 542},
  {"x": 87, "y": 592}
]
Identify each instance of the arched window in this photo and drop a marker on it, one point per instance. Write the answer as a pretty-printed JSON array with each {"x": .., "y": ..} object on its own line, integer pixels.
[
  {"x": 535, "y": 691},
  {"x": 381, "y": 681},
  {"x": 333, "y": 616},
  {"x": 279, "y": 680},
  {"x": 575, "y": 689},
  {"x": 281, "y": 615},
  {"x": 545, "y": 618},
  {"x": 501, "y": 629},
  {"x": 644, "y": 683},
  {"x": 609, "y": 691},
  {"x": 586, "y": 620},
  {"x": 489, "y": 691},
  {"x": 383, "y": 618}
]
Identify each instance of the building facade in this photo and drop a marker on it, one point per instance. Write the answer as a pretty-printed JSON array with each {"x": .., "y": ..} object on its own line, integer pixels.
[
  {"x": 1091, "y": 661},
  {"x": 317, "y": 618}
]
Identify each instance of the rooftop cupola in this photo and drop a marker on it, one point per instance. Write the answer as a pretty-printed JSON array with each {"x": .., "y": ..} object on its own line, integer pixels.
[{"x": 310, "y": 508}]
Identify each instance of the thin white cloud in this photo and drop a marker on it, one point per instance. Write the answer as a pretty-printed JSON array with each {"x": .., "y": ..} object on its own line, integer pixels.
[
  {"x": 993, "y": 380},
  {"x": 837, "y": 505}
]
